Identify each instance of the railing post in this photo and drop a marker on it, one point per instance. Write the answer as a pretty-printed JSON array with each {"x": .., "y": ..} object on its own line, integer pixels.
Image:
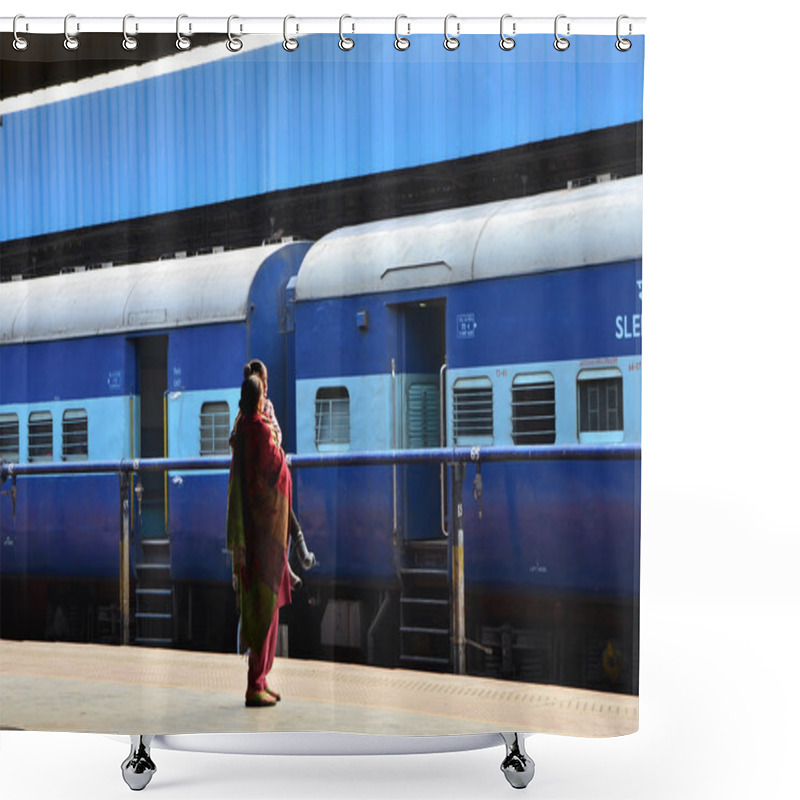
[
  {"x": 457, "y": 540},
  {"x": 124, "y": 557}
]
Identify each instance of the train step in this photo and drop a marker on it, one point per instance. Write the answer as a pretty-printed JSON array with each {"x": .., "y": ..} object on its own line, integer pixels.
[
  {"x": 427, "y": 601},
  {"x": 161, "y": 592},
  {"x": 154, "y": 566},
  {"x": 429, "y": 631},
  {"x": 425, "y": 660},
  {"x": 424, "y": 571},
  {"x": 152, "y": 615}
]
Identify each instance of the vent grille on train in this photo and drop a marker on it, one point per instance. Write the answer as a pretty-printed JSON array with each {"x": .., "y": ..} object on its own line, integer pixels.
[
  {"x": 423, "y": 415},
  {"x": 472, "y": 411},
  {"x": 533, "y": 409}
]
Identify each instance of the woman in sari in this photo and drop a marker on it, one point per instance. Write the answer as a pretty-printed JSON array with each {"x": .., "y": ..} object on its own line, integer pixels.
[{"x": 259, "y": 499}]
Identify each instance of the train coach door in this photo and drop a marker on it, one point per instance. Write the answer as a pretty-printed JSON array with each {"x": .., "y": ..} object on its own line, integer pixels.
[
  {"x": 421, "y": 360},
  {"x": 151, "y": 363}
]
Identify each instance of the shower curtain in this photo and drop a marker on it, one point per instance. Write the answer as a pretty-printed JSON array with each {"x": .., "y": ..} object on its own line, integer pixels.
[{"x": 433, "y": 244}]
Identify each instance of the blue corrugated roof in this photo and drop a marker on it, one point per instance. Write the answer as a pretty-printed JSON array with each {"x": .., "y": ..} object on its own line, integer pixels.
[{"x": 267, "y": 120}]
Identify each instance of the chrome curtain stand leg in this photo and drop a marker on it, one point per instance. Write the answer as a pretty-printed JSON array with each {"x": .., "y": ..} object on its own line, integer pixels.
[
  {"x": 138, "y": 768},
  {"x": 518, "y": 766}
]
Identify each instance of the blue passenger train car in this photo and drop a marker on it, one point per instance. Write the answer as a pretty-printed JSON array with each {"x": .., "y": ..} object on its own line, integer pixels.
[
  {"x": 136, "y": 361},
  {"x": 509, "y": 323}
]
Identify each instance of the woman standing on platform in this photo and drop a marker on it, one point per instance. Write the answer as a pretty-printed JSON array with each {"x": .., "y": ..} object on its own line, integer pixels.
[
  {"x": 259, "y": 500},
  {"x": 259, "y": 368}
]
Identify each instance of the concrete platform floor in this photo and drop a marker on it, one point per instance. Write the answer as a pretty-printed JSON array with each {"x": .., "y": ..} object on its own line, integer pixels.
[{"x": 51, "y": 686}]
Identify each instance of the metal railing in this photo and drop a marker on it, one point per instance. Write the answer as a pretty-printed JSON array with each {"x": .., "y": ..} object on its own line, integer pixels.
[{"x": 455, "y": 457}]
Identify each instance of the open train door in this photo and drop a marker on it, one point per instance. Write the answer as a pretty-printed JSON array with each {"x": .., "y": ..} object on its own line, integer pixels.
[
  {"x": 154, "y": 603},
  {"x": 425, "y": 587}
]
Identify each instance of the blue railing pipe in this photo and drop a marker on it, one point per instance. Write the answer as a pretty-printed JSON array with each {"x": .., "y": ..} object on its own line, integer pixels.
[{"x": 431, "y": 455}]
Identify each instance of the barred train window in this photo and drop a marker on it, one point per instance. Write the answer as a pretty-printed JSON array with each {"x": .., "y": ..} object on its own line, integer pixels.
[
  {"x": 600, "y": 401},
  {"x": 40, "y": 436},
  {"x": 215, "y": 428},
  {"x": 533, "y": 409},
  {"x": 332, "y": 416},
  {"x": 9, "y": 437},
  {"x": 473, "y": 415},
  {"x": 75, "y": 435}
]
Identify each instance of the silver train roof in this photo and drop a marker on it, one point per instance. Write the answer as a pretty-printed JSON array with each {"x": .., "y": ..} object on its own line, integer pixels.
[
  {"x": 135, "y": 297},
  {"x": 595, "y": 224}
]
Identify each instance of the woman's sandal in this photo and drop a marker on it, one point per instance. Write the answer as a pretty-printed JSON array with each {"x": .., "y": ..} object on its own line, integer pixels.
[
  {"x": 275, "y": 694},
  {"x": 259, "y": 700}
]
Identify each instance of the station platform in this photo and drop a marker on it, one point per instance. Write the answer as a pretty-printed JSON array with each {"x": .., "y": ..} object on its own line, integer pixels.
[{"x": 87, "y": 688}]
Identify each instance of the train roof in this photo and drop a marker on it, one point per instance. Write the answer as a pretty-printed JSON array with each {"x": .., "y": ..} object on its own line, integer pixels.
[
  {"x": 207, "y": 288},
  {"x": 596, "y": 224}
]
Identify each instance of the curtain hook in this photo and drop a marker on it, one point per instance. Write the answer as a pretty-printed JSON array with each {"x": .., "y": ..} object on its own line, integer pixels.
[
  {"x": 290, "y": 45},
  {"x": 451, "y": 42},
  {"x": 561, "y": 44},
  {"x": 345, "y": 43},
  {"x": 128, "y": 42},
  {"x": 400, "y": 42},
  {"x": 234, "y": 43},
  {"x": 20, "y": 42},
  {"x": 70, "y": 42},
  {"x": 182, "y": 43},
  {"x": 507, "y": 42},
  {"x": 623, "y": 45}
]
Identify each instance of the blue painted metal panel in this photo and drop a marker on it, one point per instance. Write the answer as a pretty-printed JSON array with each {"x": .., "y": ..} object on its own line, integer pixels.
[
  {"x": 266, "y": 120},
  {"x": 568, "y": 526},
  {"x": 550, "y": 317},
  {"x": 67, "y": 370},
  {"x": 65, "y": 526},
  {"x": 566, "y": 315},
  {"x": 346, "y": 516},
  {"x": 206, "y": 357},
  {"x": 197, "y": 528},
  {"x": 267, "y": 334}
]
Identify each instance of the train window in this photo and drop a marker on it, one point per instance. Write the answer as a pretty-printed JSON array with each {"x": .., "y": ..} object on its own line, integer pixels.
[
  {"x": 75, "y": 435},
  {"x": 473, "y": 417},
  {"x": 215, "y": 428},
  {"x": 40, "y": 436},
  {"x": 9, "y": 437},
  {"x": 332, "y": 416},
  {"x": 600, "y": 401},
  {"x": 533, "y": 409}
]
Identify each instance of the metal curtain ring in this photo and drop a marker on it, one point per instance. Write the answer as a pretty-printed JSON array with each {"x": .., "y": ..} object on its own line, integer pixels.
[
  {"x": 290, "y": 45},
  {"x": 128, "y": 42},
  {"x": 400, "y": 42},
  {"x": 560, "y": 44},
  {"x": 20, "y": 42},
  {"x": 623, "y": 45},
  {"x": 182, "y": 43},
  {"x": 344, "y": 42},
  {"x": 451, "y": 42},
  {"x": 70, "y": 42},
  {"x": 234, "y": 43},
  {"x": 507, "y": 42}
]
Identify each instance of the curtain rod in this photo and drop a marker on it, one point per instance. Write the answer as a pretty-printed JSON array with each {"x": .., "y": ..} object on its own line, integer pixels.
[{"x": 73, "y": 25}]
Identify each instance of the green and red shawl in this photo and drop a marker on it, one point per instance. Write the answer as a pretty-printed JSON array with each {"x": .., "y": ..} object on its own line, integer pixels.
[{"x": 259, "y": 498}]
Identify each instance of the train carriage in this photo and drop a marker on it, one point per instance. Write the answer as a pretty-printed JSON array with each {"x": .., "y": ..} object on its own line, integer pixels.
[
  {"x": 137, "y": 361},
  {"x": 495, "y": 325},
  {"x": 502, "y": 324}
]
